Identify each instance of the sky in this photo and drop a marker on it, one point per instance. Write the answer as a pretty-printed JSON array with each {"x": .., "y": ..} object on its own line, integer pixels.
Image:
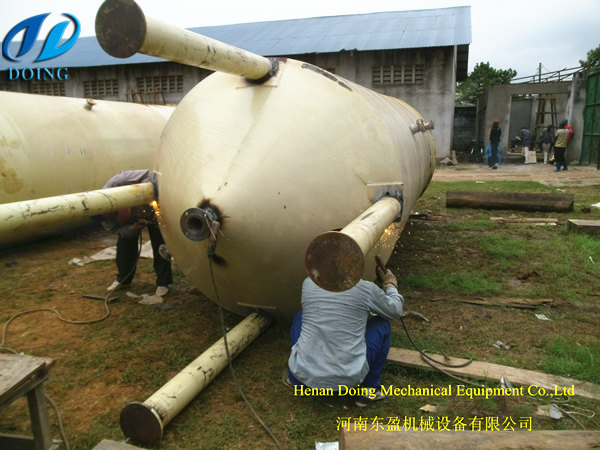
[{"x": 516, "y": 34}]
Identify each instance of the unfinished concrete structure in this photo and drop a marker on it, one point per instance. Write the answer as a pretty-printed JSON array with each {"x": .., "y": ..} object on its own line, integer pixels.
[{"x": 533, "y": 105}]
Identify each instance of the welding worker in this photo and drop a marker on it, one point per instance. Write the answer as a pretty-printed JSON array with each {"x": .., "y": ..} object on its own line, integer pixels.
[
  {"x": 336, "y": 341},
  {"x": 128, "y": 224}
]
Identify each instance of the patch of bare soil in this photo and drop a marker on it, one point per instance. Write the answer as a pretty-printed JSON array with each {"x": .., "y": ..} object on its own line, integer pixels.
[{"x": 542, "y": 173}]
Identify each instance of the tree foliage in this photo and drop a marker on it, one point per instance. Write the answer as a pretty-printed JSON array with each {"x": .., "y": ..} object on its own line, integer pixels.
[
  {"x": 593, "y": 59},
  {"x": 483, "y": 75}
]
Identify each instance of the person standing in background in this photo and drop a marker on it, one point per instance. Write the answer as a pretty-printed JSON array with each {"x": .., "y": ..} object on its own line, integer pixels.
[
  {"x": 560, "y": 146},
  {"x": 526, "y": 142},
  {"x": 547, "y": 141},
  {"x": 494, "y": 138}
]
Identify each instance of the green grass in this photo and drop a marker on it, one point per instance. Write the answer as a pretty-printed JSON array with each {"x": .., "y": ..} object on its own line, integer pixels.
[{"x": 572, "y": 359}]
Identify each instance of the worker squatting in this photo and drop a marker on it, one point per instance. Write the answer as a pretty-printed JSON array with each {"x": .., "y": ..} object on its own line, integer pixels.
[{"x": 459, "y": 390}]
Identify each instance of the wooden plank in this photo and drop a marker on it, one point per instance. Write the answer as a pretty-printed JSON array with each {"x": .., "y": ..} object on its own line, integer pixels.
[
  {"x": 591, "y": 227},
  {"x": 522, "y": 303},
  {"x": 107, "y": 444},
  {"x": 533, "y": 220},
  {"x": 522, "y": 201},
  {"x": 18, "y": 372},
  {"x": 18, "y": 442},
  {"x": 383, "y": 439},
  {"x": 39, "y": 417},
  {"x": 489, "y": 371}
]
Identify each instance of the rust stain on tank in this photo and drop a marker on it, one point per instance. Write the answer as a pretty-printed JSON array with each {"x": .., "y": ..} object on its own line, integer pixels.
[
  {"x": 14, "y": 143},
  {"x": 9, "y": 181}
]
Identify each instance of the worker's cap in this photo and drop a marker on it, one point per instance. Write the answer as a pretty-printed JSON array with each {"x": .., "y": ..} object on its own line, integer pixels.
[{"x": 496, "y": 122}]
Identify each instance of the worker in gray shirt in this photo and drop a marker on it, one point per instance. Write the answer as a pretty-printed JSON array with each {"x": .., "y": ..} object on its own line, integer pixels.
[
  {"x": 337, "y": 342},
  {"x": 128, "y": 224}
]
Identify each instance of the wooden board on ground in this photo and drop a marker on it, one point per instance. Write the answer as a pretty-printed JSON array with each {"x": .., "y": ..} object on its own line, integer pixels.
[
  {"x": 107, "y": 444},
  {"x": 532, "y": 220},
  {"x": 488, "y": 371},
  {"x": 522, "y": 201},
  {"x": 584, "y": 226},
  {"x": 522, "y": 303},
  {"x": 383, "y": 439}
]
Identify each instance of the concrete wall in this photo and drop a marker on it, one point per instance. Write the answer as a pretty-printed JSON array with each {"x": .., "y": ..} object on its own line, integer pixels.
[
  {"x": 574, "y": 114},
  {"x": 520, "y": 115},
  {"x": 464, "y": 127}
]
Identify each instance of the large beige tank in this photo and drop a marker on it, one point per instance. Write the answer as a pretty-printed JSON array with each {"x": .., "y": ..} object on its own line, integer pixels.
[
  {"x": 280, "y": 163},
  {"x": 264, "y": 156},
  {"x": 57, "y": 145}
]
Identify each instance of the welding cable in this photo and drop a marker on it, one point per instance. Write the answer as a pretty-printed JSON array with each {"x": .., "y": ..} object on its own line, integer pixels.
[
  {"x": 429, "y": 358},
  {"x": 434, "y": 363},
  {"x": 229, "y": 360},
  {"x": 569, "y": 414},
  {"x": 59, "y": 315},
  {"x": 61, "y": 428}
]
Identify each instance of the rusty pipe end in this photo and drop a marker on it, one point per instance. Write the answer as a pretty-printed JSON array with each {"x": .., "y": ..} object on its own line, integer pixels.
[
  {"x": 120, "y": 27},
  {"x": 334, "y": 261},
  {"x": 140, "y": 423}
]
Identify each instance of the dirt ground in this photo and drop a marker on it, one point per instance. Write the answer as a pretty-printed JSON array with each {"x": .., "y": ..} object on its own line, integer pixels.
[
  {"x": 39, "y": 276},
  {"x": 542, "y": 173}
]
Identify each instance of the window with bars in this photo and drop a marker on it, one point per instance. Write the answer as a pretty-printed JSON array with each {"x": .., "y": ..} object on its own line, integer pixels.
[
  {"x": 101, "y": 88},
  {"x": 56, "y": 88},
  {"x": 164, "y": 83},
  {"x": 399, "y": 74}
]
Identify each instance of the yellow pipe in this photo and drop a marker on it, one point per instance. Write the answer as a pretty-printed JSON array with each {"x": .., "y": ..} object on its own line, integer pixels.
[
  {"x": 144, "y": 422},
  {"x": 123, "y": 30},
  {"x": 29, "y": 216},
  {"x": 335, "y": 260}
]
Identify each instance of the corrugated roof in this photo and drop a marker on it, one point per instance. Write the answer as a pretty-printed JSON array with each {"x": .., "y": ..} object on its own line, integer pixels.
[{"x": 376, "y": 31}]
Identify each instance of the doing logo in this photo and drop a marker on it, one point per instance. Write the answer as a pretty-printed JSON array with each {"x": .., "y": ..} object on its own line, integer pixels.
[{"x": 52, "y": 46}]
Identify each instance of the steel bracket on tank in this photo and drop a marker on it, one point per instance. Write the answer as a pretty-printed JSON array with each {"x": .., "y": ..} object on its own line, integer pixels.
[
  {"x": 421, "y": 126},
  {"x": 376, "y": 191}
]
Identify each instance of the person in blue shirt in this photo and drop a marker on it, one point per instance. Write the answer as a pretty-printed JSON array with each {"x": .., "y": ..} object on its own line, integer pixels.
[{"x": 343, "y": 338}]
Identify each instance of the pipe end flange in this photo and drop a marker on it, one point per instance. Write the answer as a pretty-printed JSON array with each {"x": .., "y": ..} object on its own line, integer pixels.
[
  {"x": 334, "y": 261},
  {"x": 140, "y": 423}
]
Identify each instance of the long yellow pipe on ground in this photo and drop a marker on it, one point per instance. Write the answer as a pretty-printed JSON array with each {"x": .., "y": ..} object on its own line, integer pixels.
[
  {"x": 335, "y": 260},
  {"x": 22, "y": 218},
  {"x": 144, "y": 422},
  {"x": 123, "y": 30}
]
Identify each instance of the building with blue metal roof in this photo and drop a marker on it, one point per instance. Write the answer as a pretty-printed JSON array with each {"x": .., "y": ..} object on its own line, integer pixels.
[{"x": 417, "y": 56}]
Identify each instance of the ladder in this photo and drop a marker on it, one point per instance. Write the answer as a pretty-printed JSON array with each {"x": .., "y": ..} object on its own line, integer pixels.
[{"x": 541, "y": 121}]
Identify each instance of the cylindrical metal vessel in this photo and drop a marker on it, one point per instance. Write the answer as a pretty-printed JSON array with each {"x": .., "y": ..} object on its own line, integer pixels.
[
  {"x": 280, "y": 163},
  {"x": 57, "y": 145},
  {"x": 143, "y": 422},
  {"x": 22, "y": 220}
]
